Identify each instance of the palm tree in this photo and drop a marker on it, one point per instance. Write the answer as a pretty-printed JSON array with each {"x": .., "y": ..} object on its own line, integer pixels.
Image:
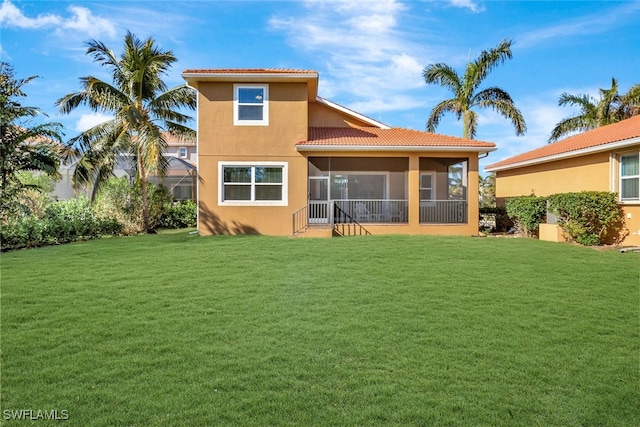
[
  {"x": 630, "y": 102},
  {"x": 23, "y": 146},
  {"x": 466, "y": 95},
  {"x": 143, "y": 109},
  {"x": 611, "y": 107}
]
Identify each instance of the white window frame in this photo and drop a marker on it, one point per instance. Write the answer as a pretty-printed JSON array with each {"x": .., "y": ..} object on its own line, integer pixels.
[
  {"x": 620, "y": 178},
  {"x": 253, "y": 202},
  {"x": 432, "y": 201},
  {"x": 236, "y": 105},
  {"x": 186, "y": 152}
]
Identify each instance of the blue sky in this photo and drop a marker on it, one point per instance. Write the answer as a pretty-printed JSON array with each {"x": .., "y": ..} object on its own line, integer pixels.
[{"x": 369, "y": 54}]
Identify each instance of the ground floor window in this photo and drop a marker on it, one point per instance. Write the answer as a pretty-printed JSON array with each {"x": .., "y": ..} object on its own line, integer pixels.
[
  {"x": 630, "y": 177},
  {"x": 248, "y": 183}
]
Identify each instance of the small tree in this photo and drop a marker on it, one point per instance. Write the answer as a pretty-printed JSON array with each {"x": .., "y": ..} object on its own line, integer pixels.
[{"x": 24, "y": 146}]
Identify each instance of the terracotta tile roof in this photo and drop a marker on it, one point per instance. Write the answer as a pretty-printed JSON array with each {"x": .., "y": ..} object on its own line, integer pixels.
[
  {"x": 248, "y": 71},
  {"x": 393, "y": 137},
  {"x": 599, "y": 137}
]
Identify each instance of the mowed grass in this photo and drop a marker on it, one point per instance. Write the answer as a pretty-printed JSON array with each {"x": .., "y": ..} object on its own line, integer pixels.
[{"x": 181, "y": 330}]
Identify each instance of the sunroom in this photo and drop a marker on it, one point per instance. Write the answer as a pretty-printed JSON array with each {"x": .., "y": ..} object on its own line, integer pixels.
[{"x": 375, "y": 190}]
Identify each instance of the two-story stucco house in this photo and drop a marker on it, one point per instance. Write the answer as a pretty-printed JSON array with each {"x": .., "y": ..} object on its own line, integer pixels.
[{"x": 275, "y": 158}]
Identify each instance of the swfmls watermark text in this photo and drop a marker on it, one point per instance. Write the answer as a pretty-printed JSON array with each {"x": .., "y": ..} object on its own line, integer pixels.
[{"x": 35, "y": 414}]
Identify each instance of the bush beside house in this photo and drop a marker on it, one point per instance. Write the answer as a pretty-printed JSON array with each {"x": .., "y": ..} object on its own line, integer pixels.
[
  {"x": 527, "y": 212},
  {"x": 587, "y": 217}
]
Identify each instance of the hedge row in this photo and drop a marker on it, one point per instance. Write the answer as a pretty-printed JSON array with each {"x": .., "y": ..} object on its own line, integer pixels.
[
  {"x": 63, "y": 222},
  {"x": 587, "y": 217},
  {"x": 75, "y": 219}
]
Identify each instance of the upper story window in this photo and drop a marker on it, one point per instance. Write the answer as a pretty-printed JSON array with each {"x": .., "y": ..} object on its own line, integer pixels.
[
  {"x": 250, "y": 105},
  {"x": 630, "y": 177},
  {"x": 182, "y": 152}
]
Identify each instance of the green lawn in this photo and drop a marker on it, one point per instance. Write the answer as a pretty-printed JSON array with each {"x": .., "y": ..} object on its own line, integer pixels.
[{"x": 182, "y": 330}]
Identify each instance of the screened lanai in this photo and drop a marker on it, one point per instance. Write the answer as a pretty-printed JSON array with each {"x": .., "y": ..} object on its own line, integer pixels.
[{"x": 375, "y": 189}]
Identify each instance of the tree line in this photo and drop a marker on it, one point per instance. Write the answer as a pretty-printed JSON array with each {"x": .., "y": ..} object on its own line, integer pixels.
[{"x": 144, "y": 110}]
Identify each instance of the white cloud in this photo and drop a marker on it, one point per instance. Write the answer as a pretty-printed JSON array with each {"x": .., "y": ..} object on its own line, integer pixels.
[
  {"x": 369, "y": 60},
  {"x": 87, "y": 121},
  {"x": 468, "y": 4},
  {"x": 82, "y": 20},
  {"x": 584, "y": 25},
  {"x": 541, "y": 115},
  {"x": 11, "y": 16}
]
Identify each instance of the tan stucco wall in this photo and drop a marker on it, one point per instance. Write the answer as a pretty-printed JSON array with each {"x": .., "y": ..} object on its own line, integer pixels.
[
  {"x": 632, "y": 219},
  {"x": 565, "y": 176},
  {"x": 219, "y": 140},
  {"x": 586, "y": 173},
  {"x": 323, "y": 116}
]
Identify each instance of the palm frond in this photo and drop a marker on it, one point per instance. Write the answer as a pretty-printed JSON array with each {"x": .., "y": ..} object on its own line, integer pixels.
[
  {"x": 571, "y": 125},
  {"x": 184, "y": 133},
  {"x": 443, "y": 75},
  {"x": 94, "y": 136},
  {"x": 151, "y": 146},
  {"x": 508, "y": 110},
  {"x": 479, "y": 69},
  {"x": 449, "y": 105},
  {"x": 630, "y": 103}
]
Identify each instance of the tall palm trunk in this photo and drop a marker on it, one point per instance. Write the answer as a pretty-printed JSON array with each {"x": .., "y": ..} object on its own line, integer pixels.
[{"x": 143, "y": 192}]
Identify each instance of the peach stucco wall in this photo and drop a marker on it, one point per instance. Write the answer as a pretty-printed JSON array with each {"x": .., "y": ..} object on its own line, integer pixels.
[
  {"x": 322, "y": 116},
  {"x": 586, "y": 173},
  {"x": 219, "y": 140},
  {"x": 575, "y": 174}
]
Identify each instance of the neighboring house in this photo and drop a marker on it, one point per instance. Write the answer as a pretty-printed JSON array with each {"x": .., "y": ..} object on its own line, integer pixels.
[
  {"x": 184, "y": 150},
  {"x": 179, "y": 178},
  {"x": 602, "y": 159},
  {"x": 275, "y": 158}
]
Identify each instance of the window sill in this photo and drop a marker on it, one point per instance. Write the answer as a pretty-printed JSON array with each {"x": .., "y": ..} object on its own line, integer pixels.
[
  {"x": 252, "y": 204},
  {"x": 250, "y": 123}
]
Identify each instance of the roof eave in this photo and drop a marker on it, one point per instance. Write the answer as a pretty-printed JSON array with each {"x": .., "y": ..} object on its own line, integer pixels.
[
  {"x": 567, "y": 155},
  {"x": 311, "y": 78},
  {"x": 370, "y": 148},
  {"x": 248, "y": 76},
  {"x": 351, "y": 113}
]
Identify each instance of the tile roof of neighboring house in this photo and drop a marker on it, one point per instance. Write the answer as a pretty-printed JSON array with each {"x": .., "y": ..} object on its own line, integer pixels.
[
  {"x": 248, "y": 71},
  {"x": 392, "y": 138},
  {"x": 599, "y": 139}
]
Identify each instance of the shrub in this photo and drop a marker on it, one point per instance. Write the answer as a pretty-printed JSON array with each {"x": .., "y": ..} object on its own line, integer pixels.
[
  {"x": 62, "y": 222},
  {"x": 123, "y": 201},
  {"x": 527, "y": 212},
  {"x": 178, "y": 215},
  {"x": 588, "y": 217}
]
